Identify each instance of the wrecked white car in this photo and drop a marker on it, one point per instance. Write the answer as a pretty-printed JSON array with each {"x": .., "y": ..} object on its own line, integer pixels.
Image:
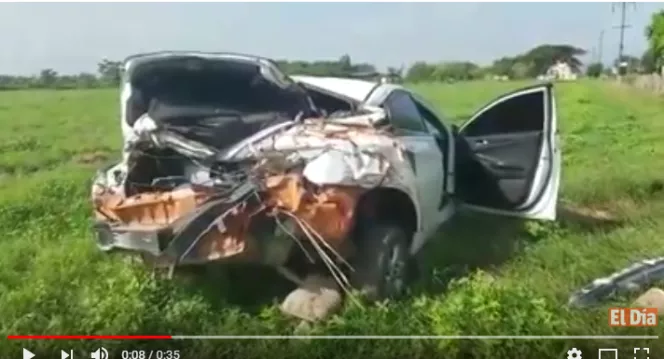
[{"x": 227, "y": 159}]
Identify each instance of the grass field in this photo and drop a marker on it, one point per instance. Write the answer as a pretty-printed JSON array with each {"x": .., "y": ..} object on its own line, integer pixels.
[{"x": 508, "y": 277}]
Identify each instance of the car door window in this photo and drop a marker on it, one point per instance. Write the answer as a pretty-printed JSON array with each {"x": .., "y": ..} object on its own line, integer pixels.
[
  {"x": 518, "y": 114},
  {"x": 403, "y": 112},
  {"x": 432, "y": 121}
]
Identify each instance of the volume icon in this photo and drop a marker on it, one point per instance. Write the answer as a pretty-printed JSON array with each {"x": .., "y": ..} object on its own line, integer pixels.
[{"x": 100, "y": 353}]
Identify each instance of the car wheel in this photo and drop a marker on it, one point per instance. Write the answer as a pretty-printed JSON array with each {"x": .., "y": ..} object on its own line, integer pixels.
[{"x": 381, "y": 262}]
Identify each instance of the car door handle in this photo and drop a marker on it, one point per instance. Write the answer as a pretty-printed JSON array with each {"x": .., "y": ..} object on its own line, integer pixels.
[{"x": 481, "y": 142}]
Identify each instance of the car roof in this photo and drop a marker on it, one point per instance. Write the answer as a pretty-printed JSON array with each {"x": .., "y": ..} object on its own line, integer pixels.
[
  {"x": 202, "y": 54},
  {"x": 355, "y": 89}
]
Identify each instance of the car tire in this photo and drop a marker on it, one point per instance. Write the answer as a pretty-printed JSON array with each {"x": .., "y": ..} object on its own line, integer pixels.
[{"x": 382, "y": 261}]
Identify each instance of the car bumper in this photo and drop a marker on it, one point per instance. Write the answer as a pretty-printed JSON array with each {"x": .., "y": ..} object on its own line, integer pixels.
[
  {"x": 179, "y": 243},
  {"x": 118, "y": 239},
  {"x": 124, "y": 239}
]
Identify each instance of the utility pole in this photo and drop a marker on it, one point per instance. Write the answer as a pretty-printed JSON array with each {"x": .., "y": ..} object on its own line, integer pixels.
[
  {"x": 600, "y": 47},
  {"x": 622, "y": 27}
]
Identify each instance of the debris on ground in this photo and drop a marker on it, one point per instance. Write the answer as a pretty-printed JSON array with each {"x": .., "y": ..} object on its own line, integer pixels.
[
  {"x": 653, "y": 298},
  {"x": 632, "y": 279},
  {"x": 317, "y": 298}
]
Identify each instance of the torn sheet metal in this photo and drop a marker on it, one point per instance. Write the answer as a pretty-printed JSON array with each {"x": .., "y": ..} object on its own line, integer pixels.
[
  {"x": 631, "y": 279},
  {"x": 183, "y": 226},
  {"x": 328, "y": 210},
  {"x": 152, "y": 208},
  {"x": 339, "y": 154},
  {"x": 309, "y": 173},
  {"x": 217, "y": 230}
]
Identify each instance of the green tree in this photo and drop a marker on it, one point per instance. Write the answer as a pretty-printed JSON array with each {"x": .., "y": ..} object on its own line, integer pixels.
[
  {"x": 454, "y": 71},
  {"x": 395, "y": 74},
  {"x": 343, "y": 67},
  {"x": 86, "y": 80},
  {"x": 503, "y": 66},
  {"x": 655, "y": 36},
  {"x": 110, "y": 72},
  {"x": 345, "y": 64},
  {"x": 420, "y": 71},
  {"x": 521, "y": 70},
  {"x": 542, "y": 57},
  {"x": 48, "y": 77},
  {"x": 648, "y": 61},
  {"x": 539, "y": 59},
  {"x": 594, "y": 69}
]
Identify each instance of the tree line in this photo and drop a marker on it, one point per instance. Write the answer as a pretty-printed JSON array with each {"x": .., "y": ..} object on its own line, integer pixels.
[
  {"x": 529, "y": 64},
  {"x": 108, "y": 74}
]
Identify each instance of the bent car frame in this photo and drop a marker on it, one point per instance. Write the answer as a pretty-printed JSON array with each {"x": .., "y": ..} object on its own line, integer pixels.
[{"x": 227, "y": 159}]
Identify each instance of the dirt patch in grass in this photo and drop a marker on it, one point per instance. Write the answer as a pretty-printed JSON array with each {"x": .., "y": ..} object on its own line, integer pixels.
[
  {"x": 598, "y": 215},
  {"x": 92, "y": 158},
  {"x": 587, "y": 213},
  {"x": 9, "y": 170}
]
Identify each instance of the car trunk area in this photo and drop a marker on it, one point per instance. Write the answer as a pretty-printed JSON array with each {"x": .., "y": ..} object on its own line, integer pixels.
[
  {"x": 212, "y": 102},
  {"x": 215, "y": 102}
]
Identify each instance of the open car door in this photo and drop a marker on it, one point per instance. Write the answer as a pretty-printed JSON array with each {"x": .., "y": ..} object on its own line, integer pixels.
[{"x": 507, "y": 159}]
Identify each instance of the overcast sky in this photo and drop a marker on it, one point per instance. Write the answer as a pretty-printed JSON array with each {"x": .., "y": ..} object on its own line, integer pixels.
[{"x": 73, "y": 37}]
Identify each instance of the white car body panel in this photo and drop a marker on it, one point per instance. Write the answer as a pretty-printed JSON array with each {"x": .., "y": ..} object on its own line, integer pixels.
[
  {"x": 355, "y": 89},
  {"x": 429, "y": 180},
  {"x": 547, "y": 177},
  {"x": 428, "y": 160}
]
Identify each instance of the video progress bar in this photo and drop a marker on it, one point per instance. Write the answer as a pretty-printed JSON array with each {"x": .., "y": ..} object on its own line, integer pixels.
[
  {"x": 328, "y": 337},
  {"x": 414, "y": 337}
]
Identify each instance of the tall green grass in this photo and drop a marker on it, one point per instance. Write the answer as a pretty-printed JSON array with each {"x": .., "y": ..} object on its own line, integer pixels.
[{"x": 482, "y": 275}]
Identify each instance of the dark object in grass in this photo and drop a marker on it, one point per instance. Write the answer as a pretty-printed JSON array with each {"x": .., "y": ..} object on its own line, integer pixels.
[
  {"x": 656, "y": 186},
  {"x": 631, "y": 279}
]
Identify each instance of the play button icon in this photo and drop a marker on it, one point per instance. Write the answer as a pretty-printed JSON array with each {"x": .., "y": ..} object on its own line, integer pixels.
[
  {"x": 65, "y": 355},
  {"x": 27, "y": 354}
]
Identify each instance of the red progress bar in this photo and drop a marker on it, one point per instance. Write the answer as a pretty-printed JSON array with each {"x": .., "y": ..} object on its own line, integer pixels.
[{"x": 74, "y": 337}]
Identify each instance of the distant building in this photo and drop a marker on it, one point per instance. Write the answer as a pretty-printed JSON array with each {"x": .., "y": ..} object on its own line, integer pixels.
[{"x": 559, "y": 71}]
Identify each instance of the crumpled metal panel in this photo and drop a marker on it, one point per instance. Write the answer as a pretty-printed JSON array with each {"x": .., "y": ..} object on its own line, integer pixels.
[
  {"x": 328, "y": 210},
  {"x": 312, "y": 171},
  {"x": 152, "y": 208}
]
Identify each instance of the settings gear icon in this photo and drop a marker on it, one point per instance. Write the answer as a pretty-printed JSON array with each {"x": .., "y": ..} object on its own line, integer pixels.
[{"x": 574, "y": 354}]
